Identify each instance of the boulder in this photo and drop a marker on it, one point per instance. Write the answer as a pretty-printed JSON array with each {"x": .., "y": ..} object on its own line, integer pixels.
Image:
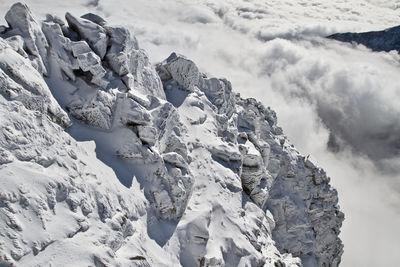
[
  {"x": 60, "y": 47},
  {"x": 21, "y": 22},
  {"x": 147, "y": 134},
  {"x": 175, "y": 159},
  {"x": 185, "y": 72},
  {"x": 180, "y": 69},
  {"x": 92, "y": 33},
  {"x": 131, "y": 63}
]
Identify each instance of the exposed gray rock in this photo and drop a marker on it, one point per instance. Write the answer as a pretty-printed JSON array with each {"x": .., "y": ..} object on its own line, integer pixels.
[{"x": 3, "y": 29}]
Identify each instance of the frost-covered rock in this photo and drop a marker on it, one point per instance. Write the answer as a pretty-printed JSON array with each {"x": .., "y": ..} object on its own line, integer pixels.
[
  {"x": 60, "y": 48},
  {"x": 272, "y": 173},
  {"x": 88, "y": 61},
  {"x": 318, "y": 233},
  {"x": 201, "y": 176},
  {"x": 187, "y": 75},
  {"x": 95, "y": 109},
  {"x": 131, "y": 63},
  {"x": 134, "y": 113},
  {"x": 20, "y": 81},
  {"x": 147, "y": 134},
  {"x": 21, "y": 22},
  {"x": 17, "y": 43},
  {"x": 92, "y": 33},
  {"x": 80, "y": 53},
  {"x": 256, "y": 181},
  {"x": 175, "y": 159},
  {"x": 181, "y": 70}
]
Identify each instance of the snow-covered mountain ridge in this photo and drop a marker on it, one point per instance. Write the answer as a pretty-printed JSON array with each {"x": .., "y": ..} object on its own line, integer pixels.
[
  {"x": 199, "y": 176},
  {"x": 386, "y": 40}
]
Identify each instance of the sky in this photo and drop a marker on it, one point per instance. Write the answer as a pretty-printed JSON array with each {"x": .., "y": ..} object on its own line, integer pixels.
[{"x": 324, "y": 92}]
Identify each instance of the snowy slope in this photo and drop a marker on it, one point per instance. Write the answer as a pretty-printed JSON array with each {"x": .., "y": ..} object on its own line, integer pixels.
[{"x": 107, "y": 161}]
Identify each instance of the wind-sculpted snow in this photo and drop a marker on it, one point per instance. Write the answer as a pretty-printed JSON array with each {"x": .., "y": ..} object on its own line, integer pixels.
[
  {"x": 21, "y": 81},
  {"x": 202, "y": 177}
]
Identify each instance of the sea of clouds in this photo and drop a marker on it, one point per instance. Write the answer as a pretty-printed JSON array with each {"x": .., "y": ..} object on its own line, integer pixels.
[{"x": 336, "y": 102}]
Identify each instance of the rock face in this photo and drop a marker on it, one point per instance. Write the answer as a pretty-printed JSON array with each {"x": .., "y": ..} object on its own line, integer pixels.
[
  {"x": 200, "y": 176},
  {"x": 385, "y": 40}
]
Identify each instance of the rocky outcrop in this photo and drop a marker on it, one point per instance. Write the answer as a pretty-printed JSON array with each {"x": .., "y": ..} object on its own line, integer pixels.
[
  {"x": 22, "y": 23},
  {"x": 187, "y": 75},
  {"x": 81, "y": 54},
  {"x": 210, "y": 179},
  {"x": 275, "y": 176},
  {"x": 131, "y": 63}
]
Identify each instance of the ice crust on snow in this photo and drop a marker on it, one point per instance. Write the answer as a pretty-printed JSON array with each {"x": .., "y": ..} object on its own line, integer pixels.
[{"x": 212, "y": 181}]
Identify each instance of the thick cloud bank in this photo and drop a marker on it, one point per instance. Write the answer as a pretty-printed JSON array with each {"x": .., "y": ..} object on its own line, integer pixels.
[
  {"x": 324, "y": 92},
  {"x": 352, "y": 90}
]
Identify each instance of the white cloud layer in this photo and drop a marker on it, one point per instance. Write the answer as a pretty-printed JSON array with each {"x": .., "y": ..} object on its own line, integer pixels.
[{"x": 272, "y": 50}]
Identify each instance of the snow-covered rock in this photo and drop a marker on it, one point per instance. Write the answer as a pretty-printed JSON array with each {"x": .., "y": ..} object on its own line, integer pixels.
[
  {"x": 21, "y": 81},
  {"x": 184, "y": 72},
  {"x": 22, "y": 23},
  {"x": 131, "y": 63},
  {"x": 272, "y": 172},
  {"x": 200, "y": 176},
  {"x": 92, "y": 33}
]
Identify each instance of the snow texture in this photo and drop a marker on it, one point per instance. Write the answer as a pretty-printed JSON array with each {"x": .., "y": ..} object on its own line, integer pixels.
[{"x": 158, "y": 166}]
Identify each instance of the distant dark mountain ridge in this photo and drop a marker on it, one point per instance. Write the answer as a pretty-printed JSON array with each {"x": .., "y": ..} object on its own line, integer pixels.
[{"x": 385, "y": 40}]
